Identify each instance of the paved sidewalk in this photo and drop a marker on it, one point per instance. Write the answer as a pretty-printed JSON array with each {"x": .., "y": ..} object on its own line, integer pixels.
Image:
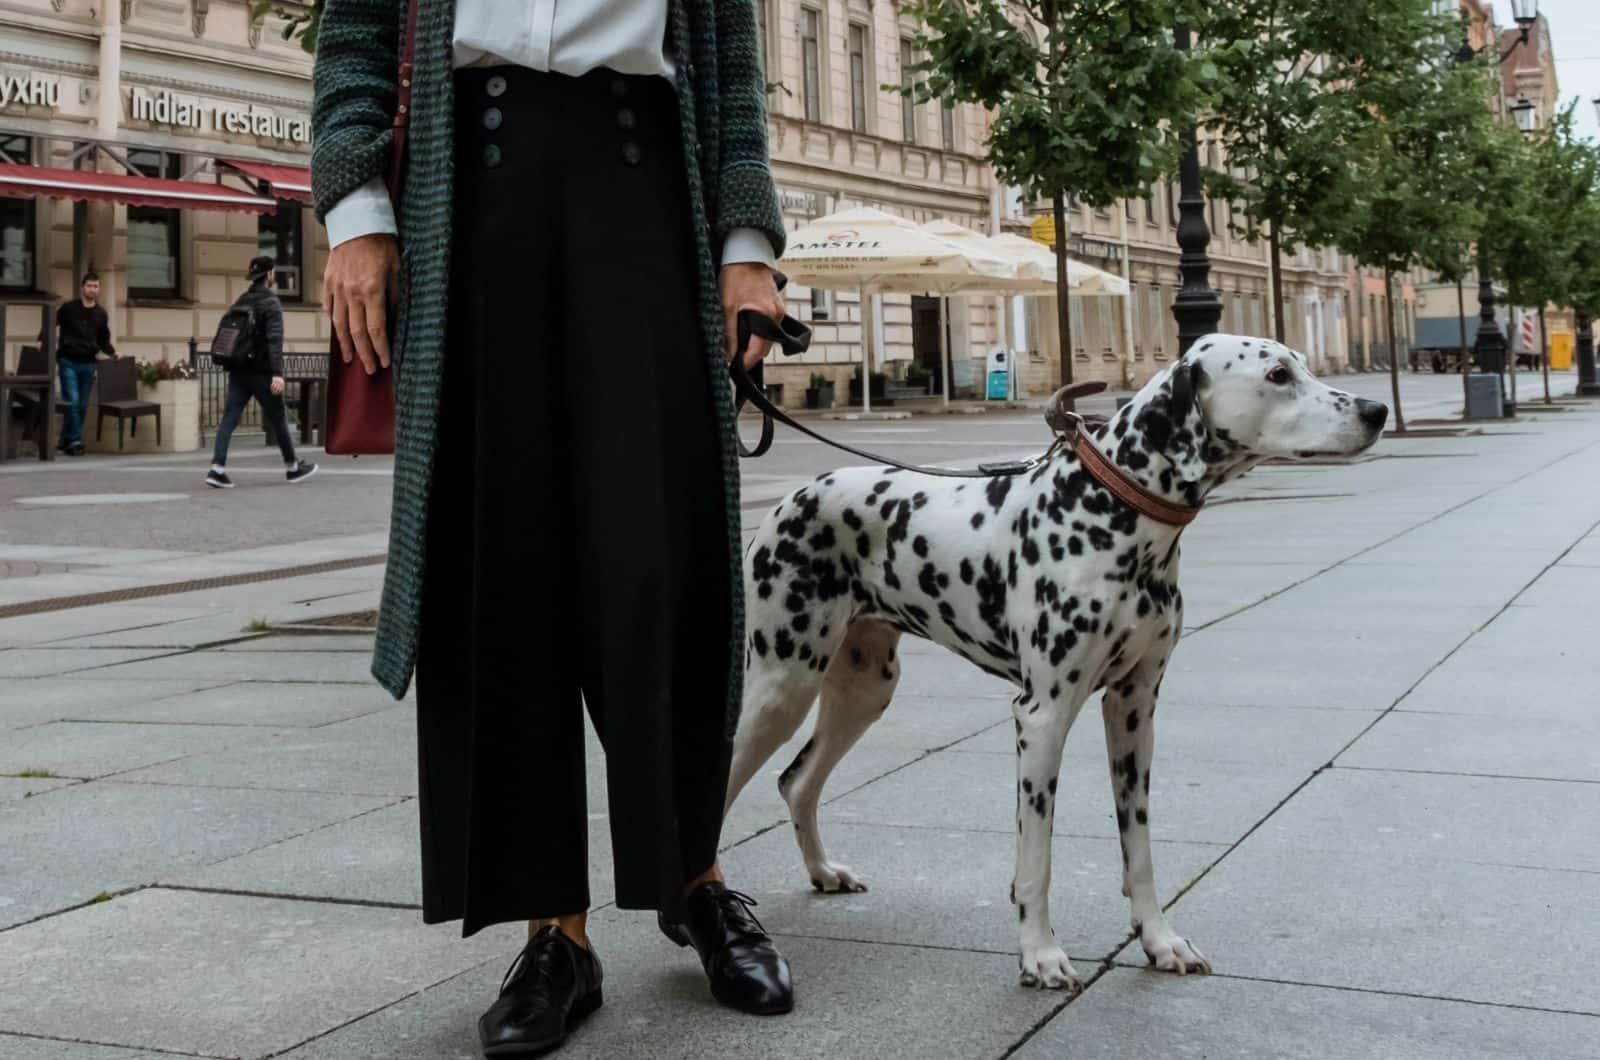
[{"x": 1374, "y": 805}]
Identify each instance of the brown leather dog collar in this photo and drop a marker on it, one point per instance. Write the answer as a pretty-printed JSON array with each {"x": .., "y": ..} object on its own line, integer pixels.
[{"x": 1126, "y": 489}]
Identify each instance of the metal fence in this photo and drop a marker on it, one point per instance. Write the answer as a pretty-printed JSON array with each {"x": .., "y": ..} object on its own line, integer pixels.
[{"x": 214, "y": 389}]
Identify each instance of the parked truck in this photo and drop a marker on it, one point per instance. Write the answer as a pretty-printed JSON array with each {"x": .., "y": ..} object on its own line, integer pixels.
[{"x": 1439, "y": 328}]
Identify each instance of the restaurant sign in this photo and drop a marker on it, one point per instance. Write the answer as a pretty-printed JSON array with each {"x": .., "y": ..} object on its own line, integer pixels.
[
  {"x": 29, "y": 90},
  {"x": 169, "y": 108}
]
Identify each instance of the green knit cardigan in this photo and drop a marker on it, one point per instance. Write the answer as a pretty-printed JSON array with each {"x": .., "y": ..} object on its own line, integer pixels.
[{"x": 722, "y": 104}]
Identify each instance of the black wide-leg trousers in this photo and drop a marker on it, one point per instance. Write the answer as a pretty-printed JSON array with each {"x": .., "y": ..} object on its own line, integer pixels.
[{"x": 576, "y": 543}]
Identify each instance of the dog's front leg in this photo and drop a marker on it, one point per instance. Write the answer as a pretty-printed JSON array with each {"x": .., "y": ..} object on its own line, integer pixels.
[
  {"x": 1129, "y": 711},
  {"x": 1042, "y": 725}
]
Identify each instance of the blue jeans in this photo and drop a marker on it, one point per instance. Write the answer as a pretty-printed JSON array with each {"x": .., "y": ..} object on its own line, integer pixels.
[
  {"x": 242, "y": 386},
  {"x": 77, "y": 380}
]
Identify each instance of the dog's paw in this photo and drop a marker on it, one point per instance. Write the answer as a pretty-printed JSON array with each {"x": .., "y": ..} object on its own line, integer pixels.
[
  {"x": 837, "y": 879},
  {"x": 1047, "y": 968},
  {"x": 1170, "y": 952}
]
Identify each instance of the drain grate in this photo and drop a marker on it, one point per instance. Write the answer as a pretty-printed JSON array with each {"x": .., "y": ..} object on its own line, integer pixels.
[
  {"x": 144, "y": 592},
  {"x": 352, "y": 622}
]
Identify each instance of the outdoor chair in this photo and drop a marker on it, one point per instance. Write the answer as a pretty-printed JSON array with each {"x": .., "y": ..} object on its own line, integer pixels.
[
  {"x": 28, "y": 402},
  {"x": 119, "y": 397}
]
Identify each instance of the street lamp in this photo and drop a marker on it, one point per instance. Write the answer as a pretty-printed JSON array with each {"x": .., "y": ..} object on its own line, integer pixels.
[
  {"x": 1588, "y": 383},
  {"x": 1197, "y": 308},
  {"x": 1522, "y": 112}
]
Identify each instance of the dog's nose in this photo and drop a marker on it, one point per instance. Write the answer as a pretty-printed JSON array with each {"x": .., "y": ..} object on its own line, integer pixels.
[{"x": 1373, "y": 413}]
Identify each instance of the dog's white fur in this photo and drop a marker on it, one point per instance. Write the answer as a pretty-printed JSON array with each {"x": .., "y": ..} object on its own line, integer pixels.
[{"x": 1043, "y": 578}]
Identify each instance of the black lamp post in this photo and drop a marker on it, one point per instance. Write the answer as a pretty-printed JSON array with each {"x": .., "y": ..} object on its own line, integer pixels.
[
  {"x": 1490, "y": 348},
  {"x": 1197, "y": 308}
]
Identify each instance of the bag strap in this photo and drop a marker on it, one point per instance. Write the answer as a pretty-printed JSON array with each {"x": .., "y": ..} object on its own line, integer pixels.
[
  {"x": 794, "y": 337},
  {"x": 402, "y": 110}
]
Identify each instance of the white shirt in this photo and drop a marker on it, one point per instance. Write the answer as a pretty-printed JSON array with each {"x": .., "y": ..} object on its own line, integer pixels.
[{"x": 568, "y": 37}]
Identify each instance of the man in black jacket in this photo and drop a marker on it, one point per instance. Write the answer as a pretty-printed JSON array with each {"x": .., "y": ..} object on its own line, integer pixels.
[
  {"x": 85, "y": 333},
  {"x": 261, "y": 378}
]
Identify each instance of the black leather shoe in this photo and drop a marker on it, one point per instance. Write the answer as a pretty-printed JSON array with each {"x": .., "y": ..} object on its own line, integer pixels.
[
  {"x": 746, "y": 970},
  {"x": 548, "y": 990}
]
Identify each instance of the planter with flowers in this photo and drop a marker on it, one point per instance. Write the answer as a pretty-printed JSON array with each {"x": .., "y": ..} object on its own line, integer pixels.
[{"x": 172, "y": 386}]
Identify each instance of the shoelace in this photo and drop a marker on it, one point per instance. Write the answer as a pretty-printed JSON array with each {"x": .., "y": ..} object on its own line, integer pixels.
[
  {"x": 745, "y": 904},
  {"x": 550, "y": 939}
]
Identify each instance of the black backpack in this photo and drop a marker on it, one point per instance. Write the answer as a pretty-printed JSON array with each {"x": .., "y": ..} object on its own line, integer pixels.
[{"x": 234, "y": 345}]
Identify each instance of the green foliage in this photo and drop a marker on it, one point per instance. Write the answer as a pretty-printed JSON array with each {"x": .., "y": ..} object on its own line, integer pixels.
[
  {"x": 1083, "y": 112},
  {"x": 300, "y": 22},
  {"x": 1541, "y": 189},
  {"x": 1423, "y": 143}
]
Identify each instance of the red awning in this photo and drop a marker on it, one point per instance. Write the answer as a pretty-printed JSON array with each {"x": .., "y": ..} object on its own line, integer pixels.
[
  {"x": 285, "y": 182},
  {"x": 26, "y": 182}
]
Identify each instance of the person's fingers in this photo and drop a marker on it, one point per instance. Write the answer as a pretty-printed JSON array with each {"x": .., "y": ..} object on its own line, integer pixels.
[
  {"x": 730, "y": 331},
  {"x": 338, "y": 310},
  {"x": 759, "y": 348},
  {"x": 358, "y": 334},
  {"x": 377, "y": 324}
]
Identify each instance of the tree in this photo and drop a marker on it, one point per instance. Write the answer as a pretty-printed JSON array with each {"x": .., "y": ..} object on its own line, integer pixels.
[
  {"x": 1084, "y": 113},
  {"x": 1421, "y": 122},
  {"x": 1529, "y": 219}
]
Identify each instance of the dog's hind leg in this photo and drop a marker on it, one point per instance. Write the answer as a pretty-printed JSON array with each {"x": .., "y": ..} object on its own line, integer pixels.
[
  {"x": 777, "y": 697},
  {"x": 1129, "y": 712},
  {"x": 856, "y": 691}
]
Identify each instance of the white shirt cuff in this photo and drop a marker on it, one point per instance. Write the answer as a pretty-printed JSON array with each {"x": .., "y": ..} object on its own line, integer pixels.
[
  {"x": 364, "y": 212},
  {"x": 744, "y": 245}
]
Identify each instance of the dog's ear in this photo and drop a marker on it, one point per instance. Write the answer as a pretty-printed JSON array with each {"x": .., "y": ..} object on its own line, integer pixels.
[{"x": 1173, "y": 424}]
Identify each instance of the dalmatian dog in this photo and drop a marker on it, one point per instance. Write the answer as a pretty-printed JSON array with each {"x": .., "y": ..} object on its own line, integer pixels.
[{"x": 1046, "y": 579}]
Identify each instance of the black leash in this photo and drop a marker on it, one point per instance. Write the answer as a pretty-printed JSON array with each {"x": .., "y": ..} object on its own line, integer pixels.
[{"x": 791, "y": 336}]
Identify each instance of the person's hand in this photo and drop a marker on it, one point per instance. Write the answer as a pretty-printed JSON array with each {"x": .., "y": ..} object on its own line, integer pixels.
[
  {"x": 360, "y": 277},
  {"x": 748, "y": 285},
  {"x": 277, "y": 384}
]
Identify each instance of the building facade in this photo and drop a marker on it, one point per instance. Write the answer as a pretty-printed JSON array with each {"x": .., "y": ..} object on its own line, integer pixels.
[{"x": 199, "y": 91}]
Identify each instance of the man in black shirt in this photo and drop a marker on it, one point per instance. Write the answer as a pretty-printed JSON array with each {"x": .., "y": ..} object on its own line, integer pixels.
[{"x": 85, "y": 331}]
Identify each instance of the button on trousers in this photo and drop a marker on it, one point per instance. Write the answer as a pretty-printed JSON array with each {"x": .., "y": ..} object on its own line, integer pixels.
[{"x": 576, "y": 544}]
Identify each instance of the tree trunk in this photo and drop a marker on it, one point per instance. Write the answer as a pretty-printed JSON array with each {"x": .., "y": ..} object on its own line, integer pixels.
[
  {"x": 1461, "y": 315},
  {"x": 1394, "y": 351},
  {"x": 1276, "y": 246},
  {"x": 1544, "y": 355},
  {"x": 1058, "y": 204}
]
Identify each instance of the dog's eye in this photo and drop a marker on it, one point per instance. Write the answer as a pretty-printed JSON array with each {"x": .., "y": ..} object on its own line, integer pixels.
[{"x": 1280, "y": 374}]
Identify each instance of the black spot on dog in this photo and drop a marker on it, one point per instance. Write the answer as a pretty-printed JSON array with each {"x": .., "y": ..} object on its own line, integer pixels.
[{"x": 759, "y": 642}]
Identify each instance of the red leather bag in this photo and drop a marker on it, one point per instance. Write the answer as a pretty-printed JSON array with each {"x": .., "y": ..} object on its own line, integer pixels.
[{"x": 359, "y": 420}]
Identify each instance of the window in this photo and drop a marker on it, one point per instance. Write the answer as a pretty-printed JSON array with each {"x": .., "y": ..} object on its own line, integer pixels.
[
  {"x": 1172, "y": 202},
  {"x": 1150, "y": 205},
  {"x": 16, "y": 223},
  {"x": 1127, "y": 209},
  {"x": 811, "y": 61},
  {"x": 859, "y": 57},
  {"x": 821, "y": 304},
  {"x": 153, "y": 232},
  {"x": 278, "y": 234},
  {"x": 908, "y": 104},
  {"x": 947, "y": 125}
]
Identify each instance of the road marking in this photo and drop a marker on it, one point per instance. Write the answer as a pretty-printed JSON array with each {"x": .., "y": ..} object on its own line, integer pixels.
[{"x": 64, "y": 499}]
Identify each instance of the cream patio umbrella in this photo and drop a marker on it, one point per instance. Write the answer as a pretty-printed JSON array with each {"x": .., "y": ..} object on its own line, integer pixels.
[
  {"x": 1081, "y": 278},
  {"x": 876, "y": 251}
]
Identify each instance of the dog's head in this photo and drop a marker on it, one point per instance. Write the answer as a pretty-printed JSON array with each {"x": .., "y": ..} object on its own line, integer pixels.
[{"x": 1229, "y": 403}]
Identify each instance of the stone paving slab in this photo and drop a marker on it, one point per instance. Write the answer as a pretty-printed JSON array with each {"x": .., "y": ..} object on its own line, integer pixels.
[
  {"x": 27, "y": 787},
  {"x": 265, "y": 703},
  {"x": 374, "y": 754},
  {"x": 1291, "y": 614},
  {"x": 1500, "y": 746},
  {"x": 255, "y": 975},
  {"x": 105, "y": 836},
  {"x": 43, "y": 699},
  {"x": 18, "y": 1047},
  {"x": 82, "y": 662},
  {"x": 1191, "y": 801},
  {"x": 1464, "y": 686},
  {"x": 1280, "y": 736},
  {"x": 87, "y": 623},
  {"x": 301, "y": 642},
  {"x": 852, "y": 1000},
  {"x": 1446, "y": 818},
  {"x": 1139, "y": 1013},
  {"x": 950, "y": 888},
  {"x": 1380, "y": 585},
  {"x": 1573, "y": 586},
  {"x": 83, "y": 750},
  {"x": 223, "y": 667},
  {"x": 1276, "y": 908}
]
